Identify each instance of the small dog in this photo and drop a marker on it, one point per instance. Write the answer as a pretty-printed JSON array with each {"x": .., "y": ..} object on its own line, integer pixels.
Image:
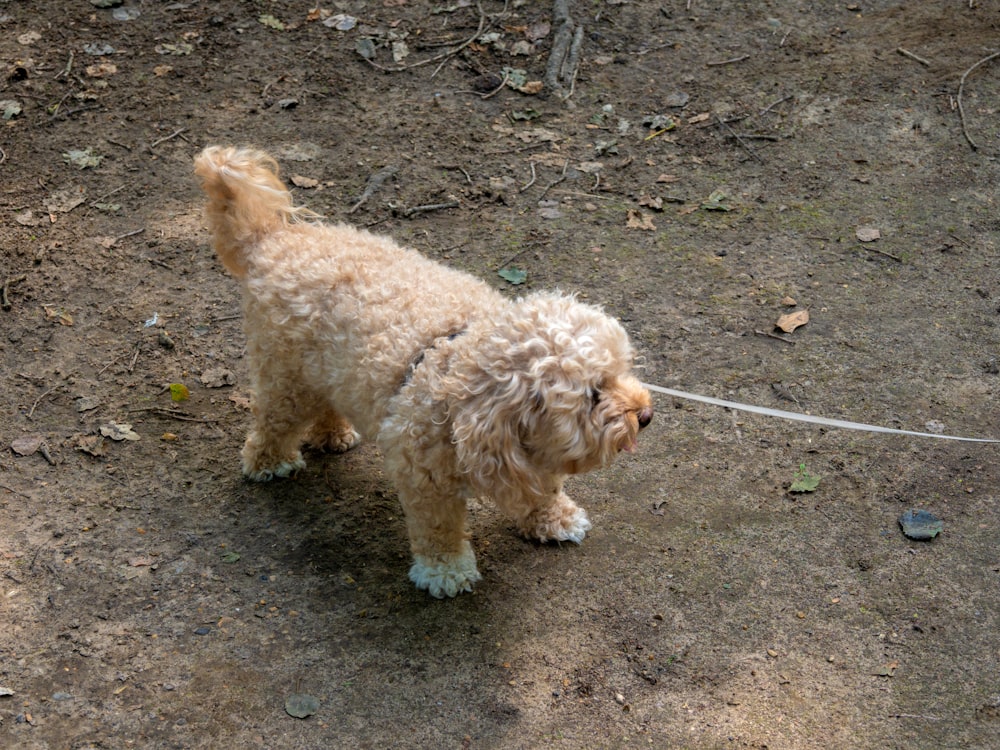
[{"x": 465, "y": 393}]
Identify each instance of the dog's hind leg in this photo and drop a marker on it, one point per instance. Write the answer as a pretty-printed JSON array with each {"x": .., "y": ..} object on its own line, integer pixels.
[{"x": 332, "y": 432}]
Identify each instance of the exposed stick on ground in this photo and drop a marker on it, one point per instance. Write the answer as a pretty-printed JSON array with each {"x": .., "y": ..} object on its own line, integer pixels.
[
  {"x": 739, "y": 138},
  {"x": 164, "y": 411},
  {"x": 94, "y": 203},
  {"x": 564, "y": 58},
  {"x": 730, "y": 61},
  {"x": 769, "y": 107},
  {"x": 556, "y": 181},
  {"x": 774, "y": 336},
  {"x": 429, "y": 207},
  {"x": 961, "y": 109},
  {"x": 374, "y": 183},
  {"x": 447, "y": 55},
  {"x": 16, "y": 492},
  {"x": 133, "y": 233},
  {"x": 38, "y": 400},
  {"x": 5, "y": 302},
  {"x": 882, "y": 252},
  {"x": 907, "y": 53},
  {"x": 529, "y": 183},
  {"x": 166, "y": 138}
]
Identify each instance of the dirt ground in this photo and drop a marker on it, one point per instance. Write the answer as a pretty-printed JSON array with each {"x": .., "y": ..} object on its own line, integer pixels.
[{"x": 698, "y": 164}]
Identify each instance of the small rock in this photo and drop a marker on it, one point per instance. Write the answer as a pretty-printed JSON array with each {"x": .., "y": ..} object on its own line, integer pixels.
[
  {"x": 301, "y": 706},
  {"x": 920, "y": 524}
]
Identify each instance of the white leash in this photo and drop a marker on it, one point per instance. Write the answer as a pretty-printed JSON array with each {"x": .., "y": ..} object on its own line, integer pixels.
[{"x": 843, "y": 424}]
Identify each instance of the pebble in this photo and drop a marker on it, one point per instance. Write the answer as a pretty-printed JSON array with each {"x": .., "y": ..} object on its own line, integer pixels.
[{"x": 920, "y": 524}]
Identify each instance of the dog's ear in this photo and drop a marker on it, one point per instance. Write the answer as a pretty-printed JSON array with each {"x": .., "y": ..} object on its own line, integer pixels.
[{"x": 489, "y": 430}]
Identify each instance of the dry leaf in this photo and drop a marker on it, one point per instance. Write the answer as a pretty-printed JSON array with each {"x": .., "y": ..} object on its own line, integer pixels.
[
  {"x": 25, "y": 446},
  {"x": 64, "y": 201},
  {"x": 886, "y": 670},
  {"x": 61, "y": 317},
  {"x": 667, "y": 178},
  {"x": 788, "y": 301},
  {"x": 698, "y": 118},
  {"x": 639, "y": 220},
  {"x": 118, "y": 431},
  {"x": 240, "y": 400},
  {"x": 101, "y": 70},
  {"x": 867, "y": 234},
  {"x": 217, "y": 377},
  {"x": 92, "y": 444},
  {"x": 304, "y": 182},
  {"x": 650, "y": 201},
  {"x": 790, "y": 321}
]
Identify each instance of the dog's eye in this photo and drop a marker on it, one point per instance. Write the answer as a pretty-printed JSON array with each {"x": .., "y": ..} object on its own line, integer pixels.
[{"x": 595, "y": 397}]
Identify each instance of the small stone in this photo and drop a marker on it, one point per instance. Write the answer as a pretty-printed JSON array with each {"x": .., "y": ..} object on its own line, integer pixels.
[
  {"x": 920, "y": 524},
  {"x": 301, "y": 706}
]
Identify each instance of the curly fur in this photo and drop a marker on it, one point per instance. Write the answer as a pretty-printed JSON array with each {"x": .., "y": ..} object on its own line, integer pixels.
[{"x": 465, "y": 392}]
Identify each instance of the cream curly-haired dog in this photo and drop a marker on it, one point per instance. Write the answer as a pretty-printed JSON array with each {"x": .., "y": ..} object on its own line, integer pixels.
[{"x": 465, "y": 393}]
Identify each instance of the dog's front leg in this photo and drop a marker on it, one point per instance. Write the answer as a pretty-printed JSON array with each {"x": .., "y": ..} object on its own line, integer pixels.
[
  {"x": 548, "y": 517},
  {"x": 443, "y": 561}
]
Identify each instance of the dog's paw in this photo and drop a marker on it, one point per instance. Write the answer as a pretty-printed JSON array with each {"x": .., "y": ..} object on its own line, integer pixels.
[
  {"x": 336, "y": 442},
  {"x": 267, "y": 473},
  {"x": 445, "y": 578},
  {"x": 564, "y": 522}
]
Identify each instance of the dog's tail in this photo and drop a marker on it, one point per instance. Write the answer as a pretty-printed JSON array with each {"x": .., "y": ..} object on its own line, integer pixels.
[{"x": 246, "y": 200}]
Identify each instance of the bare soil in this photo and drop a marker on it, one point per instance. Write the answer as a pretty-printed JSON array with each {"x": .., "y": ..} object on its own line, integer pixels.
[{"x": 150, "y": 597}]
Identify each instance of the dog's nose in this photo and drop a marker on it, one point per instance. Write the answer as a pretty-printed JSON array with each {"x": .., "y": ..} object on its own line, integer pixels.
[{"x": 645, "y": 416}]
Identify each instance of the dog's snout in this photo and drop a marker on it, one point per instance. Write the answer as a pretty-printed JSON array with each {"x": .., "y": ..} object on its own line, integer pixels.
[{"x": 645, "y": 416}]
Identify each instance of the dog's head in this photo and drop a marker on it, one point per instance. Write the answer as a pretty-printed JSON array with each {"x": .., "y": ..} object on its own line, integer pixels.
[{"x": 552, "y": 395}]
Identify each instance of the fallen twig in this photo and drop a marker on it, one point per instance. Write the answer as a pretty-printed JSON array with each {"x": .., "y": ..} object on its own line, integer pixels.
[
  {"x": 429, "y": 207},
  {"x": 530, "y": 182},
  {"x": 374, "y": 183},
  {"x": 739, "y": 138},
  {"x": 107, "y": 195},
  {"x": 447, "y": 55},
  {"x": 564, "y": 58},
  {"x": 488, "y": 94},
  {"x": 717, "y": 63},
  {"x": 16, "y": 492},
  {"x": 769, "y": 107},
  {"x": 915, "y": 716},
  {"x": 882, "y": 252},
  {"x": 5, "y": 302},
  {"x": 166, "y": 138},
  {"x": 907, "y": 53},
  {"x": 556, "y": 181},
  {"x": 179, "y": 415},
  {"x": 69, "y": 66},
  {"x": 774, "y": 336},
  {"x": 134, "y": 232},
  {"x": 38, "y": 400},
  {"x": 961, "y": 109}
]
